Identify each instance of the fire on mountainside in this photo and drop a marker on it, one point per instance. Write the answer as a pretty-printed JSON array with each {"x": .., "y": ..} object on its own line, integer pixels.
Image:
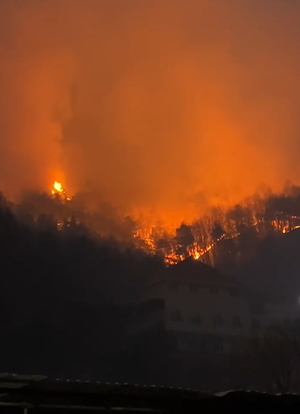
[{"x": 200, "y": 238}]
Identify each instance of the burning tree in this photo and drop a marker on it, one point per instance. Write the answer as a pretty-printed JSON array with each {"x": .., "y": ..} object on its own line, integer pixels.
[
  {"x": 219, "y": 236},
  {"x": 217, "y": 232},
  {"x": 184, "y": 239}
]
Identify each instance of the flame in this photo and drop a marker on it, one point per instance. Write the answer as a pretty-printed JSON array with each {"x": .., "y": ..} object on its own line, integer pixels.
[
  {"x": 197, "y": 252},
  {"x": 196, "y": 255},
  {"x": 202, "y": 246},
  {"x": 57, "y": 188}
]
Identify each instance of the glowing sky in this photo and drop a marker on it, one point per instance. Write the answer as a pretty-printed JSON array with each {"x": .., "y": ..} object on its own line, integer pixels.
[{"x": 155, "y": 104}]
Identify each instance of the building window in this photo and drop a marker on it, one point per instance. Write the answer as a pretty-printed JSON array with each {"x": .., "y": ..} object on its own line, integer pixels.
[
  {"x": 257, "y": 308},
  {"x": 196, "y": 319},
  {"x": 176, "y": 316},
  {"x": 218, "y": 346},
  {"x": 218, "y": 320},
  {"x": 236, "y": 347},
  {"x": 193, "y": 343},
  {"x": 202, "y": 343},
  {"x": 237, "y": 321},
  {"x": 173, "y": 286},
  {"x": 233, "y": 292},
  {"x": 214, "y": 290},
  {"x": 193, "y": 287},
  {"x": 255, "y": 323}
]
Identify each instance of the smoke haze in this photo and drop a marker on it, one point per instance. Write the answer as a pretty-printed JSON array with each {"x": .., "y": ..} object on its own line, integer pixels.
[{"x": 161, "y": 105}]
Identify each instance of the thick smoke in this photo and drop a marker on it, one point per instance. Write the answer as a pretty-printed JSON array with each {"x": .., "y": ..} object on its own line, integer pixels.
[{"x": 160, "y": 106}]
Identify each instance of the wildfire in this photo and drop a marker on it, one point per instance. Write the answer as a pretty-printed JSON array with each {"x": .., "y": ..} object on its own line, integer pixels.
[
  {"x": 57, "y": 188},
  {"x": 196, "y": 255},
  {"x": 198, "y": 251},
  {"x": 155, "y": 241}
]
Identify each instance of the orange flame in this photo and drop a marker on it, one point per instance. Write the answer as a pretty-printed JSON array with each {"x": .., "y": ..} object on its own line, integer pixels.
[{"x": 57, "y": 188}]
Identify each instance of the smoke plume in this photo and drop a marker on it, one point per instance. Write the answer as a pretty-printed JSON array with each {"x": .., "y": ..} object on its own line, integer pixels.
[{"x": 161, "y": 106}]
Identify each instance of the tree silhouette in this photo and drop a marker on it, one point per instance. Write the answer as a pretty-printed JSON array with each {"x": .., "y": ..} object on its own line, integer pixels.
[
  {"x": 184, "y": 239},
  {"x": 217, "y": 231},
  {"x": 64, "y": 294},
  {"x": 276, "y": 356}
]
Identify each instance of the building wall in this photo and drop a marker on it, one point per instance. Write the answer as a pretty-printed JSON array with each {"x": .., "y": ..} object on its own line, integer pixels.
[
  {"x": 208, "y": 317},
  {"x": 201, "y": 345},
  {"x": 198, "y": 308},
  {"x": 275, "y": 313}
]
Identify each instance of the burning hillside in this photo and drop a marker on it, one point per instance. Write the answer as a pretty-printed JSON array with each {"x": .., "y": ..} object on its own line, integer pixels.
[
  {"x": 204, "y": 239},
  {"x": 213, "y": 238}
]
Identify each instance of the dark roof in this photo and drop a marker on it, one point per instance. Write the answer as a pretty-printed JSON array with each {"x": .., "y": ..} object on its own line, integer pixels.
[
  {"x": 42, "y": 392},
  {"x": 194, "y": 271},
  {"x": 45, "y": 395}
]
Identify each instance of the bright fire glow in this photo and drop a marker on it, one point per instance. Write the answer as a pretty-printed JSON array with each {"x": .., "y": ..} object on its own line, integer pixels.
[
  {"x": 197, "y": 255},
  {"x": 198, "y": 251},
  {"x": 199, "y": 248},
  {"x": 57, "y": 188}
]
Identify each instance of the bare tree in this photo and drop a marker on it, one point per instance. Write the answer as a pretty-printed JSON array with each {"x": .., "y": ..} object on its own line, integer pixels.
[{"x": 276, "y": 356}]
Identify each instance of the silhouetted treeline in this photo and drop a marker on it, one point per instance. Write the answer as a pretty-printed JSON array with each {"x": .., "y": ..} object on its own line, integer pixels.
[
  {"x": 228, "y": 235},
  {"x": 64, "y": 296},
  {"x": 65, "y": 292},
  {"x": 275, "y": 266}
]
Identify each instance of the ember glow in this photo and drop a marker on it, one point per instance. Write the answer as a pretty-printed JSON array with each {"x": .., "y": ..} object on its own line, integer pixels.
[
  {"x": 201, "y": 238},
  {"x": 205, "y": 250},
  {"x": 57, "y": 188}
]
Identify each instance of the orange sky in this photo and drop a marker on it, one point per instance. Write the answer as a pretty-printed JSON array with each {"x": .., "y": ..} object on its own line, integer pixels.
[{"x": 163, "y": 105}]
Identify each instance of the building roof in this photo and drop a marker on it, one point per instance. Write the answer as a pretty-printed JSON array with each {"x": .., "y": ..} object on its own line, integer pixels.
[
  {"x": 34, "y": 391},
  {"x": 43, "y": 395},
  {"x": 194, "y": 271}
]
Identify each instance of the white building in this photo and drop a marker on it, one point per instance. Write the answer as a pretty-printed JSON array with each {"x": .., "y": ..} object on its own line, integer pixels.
[{"x": 203, "y": 309}]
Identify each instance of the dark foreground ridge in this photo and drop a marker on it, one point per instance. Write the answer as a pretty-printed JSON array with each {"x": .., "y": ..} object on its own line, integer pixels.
[{"x": 38, "y": 394}]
